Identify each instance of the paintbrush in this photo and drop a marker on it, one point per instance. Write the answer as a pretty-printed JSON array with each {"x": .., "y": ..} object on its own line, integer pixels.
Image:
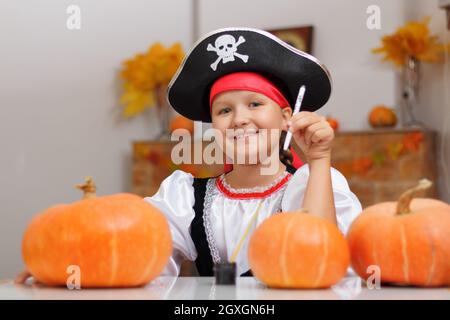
[{"x": 298, "y": 104}]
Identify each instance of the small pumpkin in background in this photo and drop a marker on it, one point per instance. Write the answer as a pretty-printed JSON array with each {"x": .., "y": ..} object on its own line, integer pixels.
[
  {"x": 180, "y": 122},
  {"x": 116, "y": 241},
  {"x": 382, "y": 116},
  {"x": 408, "y": 239},
  {"x": 298, "y": 250},
  {"x": 334, "y": 123}
]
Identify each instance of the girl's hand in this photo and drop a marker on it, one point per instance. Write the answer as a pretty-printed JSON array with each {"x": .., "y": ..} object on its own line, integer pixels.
[{"x": 313, "y": 134}]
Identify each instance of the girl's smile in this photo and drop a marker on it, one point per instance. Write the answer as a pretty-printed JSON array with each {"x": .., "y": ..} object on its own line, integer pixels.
[{"x": 245, "y": 134}]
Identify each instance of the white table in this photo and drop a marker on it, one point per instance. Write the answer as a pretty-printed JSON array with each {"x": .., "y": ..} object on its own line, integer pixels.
[{"x": 193, "y": 288}]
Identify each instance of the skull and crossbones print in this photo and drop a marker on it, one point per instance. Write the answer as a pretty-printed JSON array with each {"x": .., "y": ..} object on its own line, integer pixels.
[{"x": 226, "y": 48}]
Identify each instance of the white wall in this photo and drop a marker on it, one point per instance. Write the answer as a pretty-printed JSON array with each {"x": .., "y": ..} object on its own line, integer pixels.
[
  {"x": 59, "y": 91},
  {"x": 59, "y": 88},
  {"x": 434, "y": 94}
]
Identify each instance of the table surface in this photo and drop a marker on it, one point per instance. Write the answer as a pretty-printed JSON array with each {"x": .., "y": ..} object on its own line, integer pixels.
[{"x": 204, "y": 288}]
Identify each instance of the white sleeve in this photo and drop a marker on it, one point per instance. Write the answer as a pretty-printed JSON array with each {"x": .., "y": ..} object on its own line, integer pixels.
[
  {"x": 346, "y": 203},
  {"x": 175, "y": 198}
]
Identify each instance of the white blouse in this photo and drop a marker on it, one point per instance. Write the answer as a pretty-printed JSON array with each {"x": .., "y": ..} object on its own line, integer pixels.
[{"x": 228, "y": 211}]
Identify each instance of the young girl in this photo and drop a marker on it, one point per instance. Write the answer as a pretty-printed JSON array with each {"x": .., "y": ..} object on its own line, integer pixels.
[{"x": 247, "y": 80}]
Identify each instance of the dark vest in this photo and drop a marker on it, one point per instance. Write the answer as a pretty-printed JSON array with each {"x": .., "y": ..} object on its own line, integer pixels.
[{"x": 204, "y": 261}]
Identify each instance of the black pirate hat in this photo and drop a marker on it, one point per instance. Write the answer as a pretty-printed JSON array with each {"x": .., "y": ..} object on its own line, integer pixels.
[{"x": 231, "y": 50}]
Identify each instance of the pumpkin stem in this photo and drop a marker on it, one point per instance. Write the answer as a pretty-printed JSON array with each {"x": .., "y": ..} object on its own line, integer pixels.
[
  {"x": 88, "y": 188},
  {"x": 403, "y": 206},
  {"x": 303, "y": 210},
  {"x": 22, "y": 277}
]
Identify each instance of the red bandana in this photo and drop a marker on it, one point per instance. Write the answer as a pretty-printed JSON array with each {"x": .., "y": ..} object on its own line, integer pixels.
[{"x": 249, "y": 81}]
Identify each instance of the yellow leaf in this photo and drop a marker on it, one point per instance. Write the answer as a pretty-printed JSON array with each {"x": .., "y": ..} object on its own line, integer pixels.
[
  {"x": 146, "y": 72},
  {"x": 136, "y": 101},
  {"x": 413, "y": 39}
]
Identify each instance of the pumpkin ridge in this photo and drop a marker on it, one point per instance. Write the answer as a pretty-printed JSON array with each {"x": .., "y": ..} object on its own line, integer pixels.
[
  {"x": 404, "y": 253},
  {"x": 151, "y": 262},
  {"x": 433, "y": 261},
  {"x": 114, "y": 259},
  {"x": 283, "y": 254},
  {"x": 324, "y": 256},
  {"x": 374, "y": 253}
]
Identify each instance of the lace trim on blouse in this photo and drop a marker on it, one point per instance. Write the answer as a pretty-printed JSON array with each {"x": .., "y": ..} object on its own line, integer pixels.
[
  {"x": 258, "y": 192},
  {"x": 209, "y": 195}
]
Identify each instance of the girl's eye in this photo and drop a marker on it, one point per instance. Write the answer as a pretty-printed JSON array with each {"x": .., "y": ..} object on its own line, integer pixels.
[
  {"x": 224, "y": 110},
  {"x": 255, "y": 104}
]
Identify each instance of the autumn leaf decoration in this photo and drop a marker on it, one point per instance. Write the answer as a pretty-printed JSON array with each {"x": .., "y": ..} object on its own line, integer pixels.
[
  {"x": 392, "y": 151},
  {"x": 412, "y": 40},
  {"x": 145, "y": 73}
]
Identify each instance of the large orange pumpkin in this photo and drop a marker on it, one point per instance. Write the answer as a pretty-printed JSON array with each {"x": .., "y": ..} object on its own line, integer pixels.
[
  {"x": 382, "y": 116},
  {"x": 298, "y": 250},
  {"x": 116, "y": 241},
  {"x": 408, "y": 240}
]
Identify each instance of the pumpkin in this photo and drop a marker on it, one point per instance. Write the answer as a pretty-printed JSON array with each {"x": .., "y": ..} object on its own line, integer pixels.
[
  {"x": 298, "y": 250},
  {"x": 180, "y": 122},
  {"x": 408, "y": 239},
  {"x": 382, "y": 116},
  {"x": 115, "y": 241},
  {"x": 334, "y": 123}
]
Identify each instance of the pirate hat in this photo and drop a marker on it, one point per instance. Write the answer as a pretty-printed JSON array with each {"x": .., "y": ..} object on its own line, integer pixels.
[{"x": 230, "y": 50}]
